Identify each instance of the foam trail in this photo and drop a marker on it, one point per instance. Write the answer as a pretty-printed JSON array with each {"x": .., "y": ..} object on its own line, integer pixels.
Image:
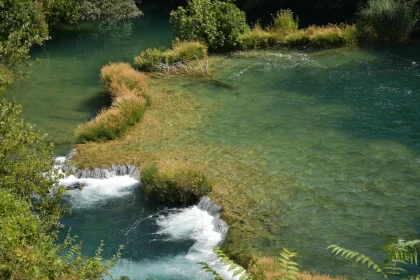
[{"x": 200, "y": 223}]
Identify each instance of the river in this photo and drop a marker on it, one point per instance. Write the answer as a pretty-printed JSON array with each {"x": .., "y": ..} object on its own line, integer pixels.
[{"x": 326, "y": 142}]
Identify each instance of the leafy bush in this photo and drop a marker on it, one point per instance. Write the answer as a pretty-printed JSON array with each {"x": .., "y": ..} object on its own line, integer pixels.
[
  {"x": 388, "y": 19},
  {"x": 181, "y": 51},
  {"x": 27, "y": 251},
  {"x": 128, "y": 89},
  {"x": 284, "y": 22},
  {"x": 219, "y": 24},
  {"x": 175, "y": 185}
]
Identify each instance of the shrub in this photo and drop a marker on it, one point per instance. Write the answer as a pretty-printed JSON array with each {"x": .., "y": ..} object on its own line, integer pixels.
[
  {"x": 388, "y": 19},
  {"x": 181, "y": 51},
  {"x": 284, "y": 22},
  {"x": 219, "y": 24},
  {"x": 175, "y": 185}
]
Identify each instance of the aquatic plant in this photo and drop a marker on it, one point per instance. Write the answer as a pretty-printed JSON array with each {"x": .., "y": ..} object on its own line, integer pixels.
[
  {"x": 181, "y": 52},
  {"x": 388, "y": 19},
  {"x": 127, "y": 88},
  {"x": 219, "y": 24},
  {"x": 284, "y": 22},
  {"x": 398, "y": 252},
  {"x": 180, "y": 185}
]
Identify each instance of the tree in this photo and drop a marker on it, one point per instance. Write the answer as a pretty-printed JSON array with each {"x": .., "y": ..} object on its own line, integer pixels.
[
  {"x": 216, "y": 23},
  {"x": 108, "y": 12},
  {"x": 22, "y": 25},
  {"x": 389, "y": 19}
]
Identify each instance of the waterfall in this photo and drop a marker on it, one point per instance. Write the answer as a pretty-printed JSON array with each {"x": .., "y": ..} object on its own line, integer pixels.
[{"x": 91, "y": 188}]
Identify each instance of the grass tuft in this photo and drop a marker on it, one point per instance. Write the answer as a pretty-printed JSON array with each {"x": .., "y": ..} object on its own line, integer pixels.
[
  {"x": 182, "y": 51},
  {"x": 119, "y": 79},
  {"x": 175, "y": 184},
  {"x": 127, "y": 88}
]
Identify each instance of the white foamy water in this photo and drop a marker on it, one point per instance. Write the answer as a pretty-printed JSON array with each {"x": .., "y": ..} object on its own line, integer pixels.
[
  {"x": 200, "y": 223},
  {"x": 88, "y": 191}
]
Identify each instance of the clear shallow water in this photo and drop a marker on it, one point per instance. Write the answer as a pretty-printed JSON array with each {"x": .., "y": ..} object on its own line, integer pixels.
[
  {"x": 334, "y": 136},
  {"x": 64, "y": 90}
]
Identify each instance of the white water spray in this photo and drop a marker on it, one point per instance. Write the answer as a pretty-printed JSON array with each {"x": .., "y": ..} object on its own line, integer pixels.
[{"x": 200, "y": 223}]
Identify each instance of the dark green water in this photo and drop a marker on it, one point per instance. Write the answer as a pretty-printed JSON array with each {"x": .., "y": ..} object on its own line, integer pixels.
[{"x": 343, "y": 124}]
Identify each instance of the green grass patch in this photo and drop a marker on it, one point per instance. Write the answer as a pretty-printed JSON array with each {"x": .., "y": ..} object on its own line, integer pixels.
[{"x": 179, "y": 185}]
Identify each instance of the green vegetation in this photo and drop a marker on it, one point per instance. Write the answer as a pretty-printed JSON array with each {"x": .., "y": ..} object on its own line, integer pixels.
[
  {"x": 180, "y": 185},
  {"x": 284, "y": 31},
  {"x": 389, "y": 19},
  {"x": 397, "y": 253},
  {"x": 28, "y": 251},
  {"x": 128, "y": 89},
  {"x": 30, "y": 209},
  {"x": 26, "y": 165},
  {"x": 182, "y": 51},
  {"x": 235, "y": 268},
  {"x": 283, "y": 22},
  {"x": 218, "y": 24},
  {"x": 108, "y": 12}
]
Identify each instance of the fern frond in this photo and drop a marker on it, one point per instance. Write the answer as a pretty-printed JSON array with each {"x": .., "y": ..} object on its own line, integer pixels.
[
  {"x": 288, "y": 268},
  {"x": 357, "y": 258},
  {"x": 235, "y": 268},
  {"x": 207, "y": 268}
]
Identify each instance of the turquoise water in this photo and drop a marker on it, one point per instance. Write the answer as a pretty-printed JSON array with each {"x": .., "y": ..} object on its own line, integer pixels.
[
  {"x": 325, "y": 144},
  {"x": 64, "y": 90},
  {"x": 342, "y": 126}
]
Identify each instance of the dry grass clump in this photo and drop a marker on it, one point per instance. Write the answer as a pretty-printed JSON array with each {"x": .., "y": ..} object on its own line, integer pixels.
[
  {"x": 120, "y": 78},
  {"x": 128, "y": 89},
  {"x": 267, "y": 268},
  {"x": 182, "y": 51},
  {"x": 284, "y": 31},
  {"x": 323, "y": 36},
  {"x": 260, "y": 38},
  {"x": 313, "y": 36}
]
